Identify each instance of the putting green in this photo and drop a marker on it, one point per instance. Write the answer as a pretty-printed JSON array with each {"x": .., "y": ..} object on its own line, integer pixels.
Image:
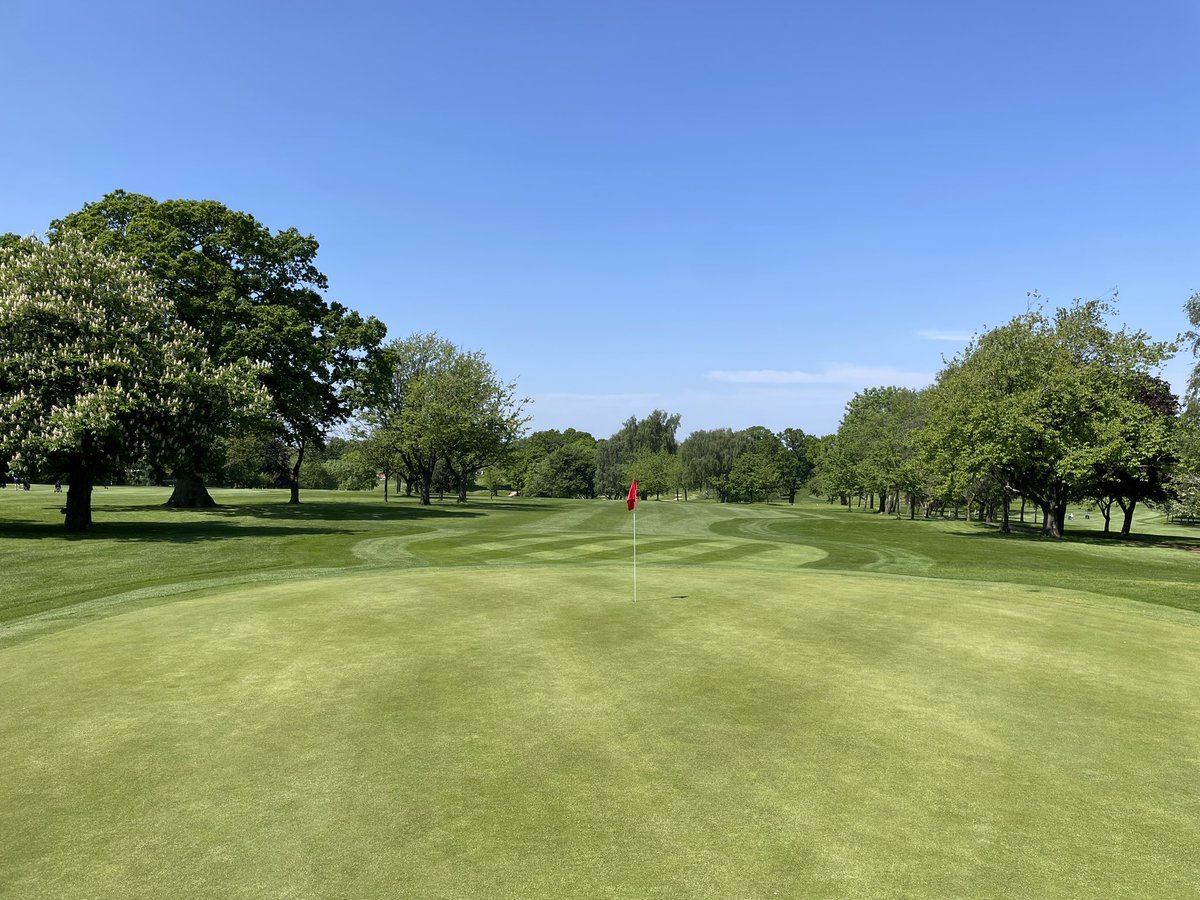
[{"x": 524, "y": 731}]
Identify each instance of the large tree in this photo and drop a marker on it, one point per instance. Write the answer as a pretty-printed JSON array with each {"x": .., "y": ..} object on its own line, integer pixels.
[
  {"x": 707, "y": 458},
  {"x": 1042, "y": 404},
  {"x": 248, "y": 292},
  {"x": 653, "y": 434},
  {"x": 442, "y": 409},
  {"x": 532, "y": 451},
  {"x": 758, "y": 470},
  {"x": 656, "y": 472},
  {"x": 797, "y": 460},
  {"x": 1134, "y": 450},
  {"x": 486, "y": 418},
  {"x": 98, "y": 372},
  {"x": 876, "y": 438},
  {"x": 554, "y": 463}
]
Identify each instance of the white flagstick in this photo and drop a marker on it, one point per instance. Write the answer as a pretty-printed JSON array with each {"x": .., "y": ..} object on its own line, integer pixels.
[{"x": 635, "y": 553}]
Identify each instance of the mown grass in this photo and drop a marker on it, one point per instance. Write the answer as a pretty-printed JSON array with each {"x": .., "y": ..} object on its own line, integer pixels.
[{"x": 353, "y": 699}]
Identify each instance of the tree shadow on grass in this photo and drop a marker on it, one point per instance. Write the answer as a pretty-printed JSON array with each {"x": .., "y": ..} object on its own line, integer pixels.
[
  {"x": 317, "y": 512},
  {"x": 509, "y": 506},
  {"x": 225, "y": 522},
  {"x": 166, "y": 532},
  {"x": 1096, "y": 538}
]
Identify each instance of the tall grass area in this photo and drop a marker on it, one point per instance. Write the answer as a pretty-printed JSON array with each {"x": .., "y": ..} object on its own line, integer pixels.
[{"x": 352, "y": 698}]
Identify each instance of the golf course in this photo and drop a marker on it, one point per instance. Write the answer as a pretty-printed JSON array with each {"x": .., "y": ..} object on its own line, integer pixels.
[{"x": 346, "y": 698}]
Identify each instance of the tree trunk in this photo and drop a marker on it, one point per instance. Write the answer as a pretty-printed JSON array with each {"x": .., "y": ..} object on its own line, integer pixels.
[
  {"x": 1004, "y": 526},
  {"x": 387, "y": 477},
  {"x": 1051, "y": 527},
  {"x": 1054, "y": 514},
  {"x": 1022, "y": 510},
  {"x": 189, "y": 492},
  {"x": 424, "y": 485},
  {"x": 295, "y": 497},
  {"x": 1128, "y": 511},
  {"x": 79, "y": 502}
]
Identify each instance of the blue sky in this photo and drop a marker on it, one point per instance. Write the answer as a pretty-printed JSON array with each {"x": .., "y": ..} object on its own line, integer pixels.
[{"x": 740, "y": 212}]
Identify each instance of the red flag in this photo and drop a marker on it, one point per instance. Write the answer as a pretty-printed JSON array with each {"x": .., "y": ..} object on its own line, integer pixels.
[{"x": 631, "y": 500}]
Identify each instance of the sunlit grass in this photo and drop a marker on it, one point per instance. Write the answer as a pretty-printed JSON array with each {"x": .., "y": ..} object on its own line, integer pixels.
[{"x": 353, "y": 699}]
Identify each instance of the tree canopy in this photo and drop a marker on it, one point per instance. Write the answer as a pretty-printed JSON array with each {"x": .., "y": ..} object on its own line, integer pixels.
[
  {"x": 442, "y": 406},
  {"x": 1050, "y": 406},
  {"x": 98, "y": 371},
  {"x": 247, "y": 293}
]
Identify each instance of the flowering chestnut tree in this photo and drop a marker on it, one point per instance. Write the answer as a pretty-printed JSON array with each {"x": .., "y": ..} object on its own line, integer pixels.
[{"x": 97, "y": 372}]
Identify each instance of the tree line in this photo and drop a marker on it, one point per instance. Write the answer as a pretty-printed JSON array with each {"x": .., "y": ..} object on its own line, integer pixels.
[
  {"x": 753, "y": 464},
  {"x": 1053, "y": 407},
  {"x": 186, "y": 343},
  {"x": 1057, "y": 406}
]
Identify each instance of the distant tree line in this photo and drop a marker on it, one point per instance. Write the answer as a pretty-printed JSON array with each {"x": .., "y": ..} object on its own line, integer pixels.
[{"x": 751, "y": 465}]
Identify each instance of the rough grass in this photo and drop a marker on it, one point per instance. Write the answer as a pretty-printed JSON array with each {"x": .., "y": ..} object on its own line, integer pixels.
[{"x": 348, "y": 699}]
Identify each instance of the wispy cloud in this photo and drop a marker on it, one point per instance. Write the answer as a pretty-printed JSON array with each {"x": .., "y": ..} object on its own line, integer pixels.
[
  {"x": 933, "y": 334},
  {"x": 854, "y": 376}
]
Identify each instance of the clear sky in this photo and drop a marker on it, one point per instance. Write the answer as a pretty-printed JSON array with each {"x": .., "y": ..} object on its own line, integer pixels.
[{"x": 742, "y": 212}]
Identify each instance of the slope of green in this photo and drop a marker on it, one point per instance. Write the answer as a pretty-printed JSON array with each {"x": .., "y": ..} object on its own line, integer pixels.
[{"x": 348, "y": 699}]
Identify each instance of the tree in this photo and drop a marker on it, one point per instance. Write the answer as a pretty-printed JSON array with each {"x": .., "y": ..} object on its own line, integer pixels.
[
  {"x": 876, "y": 442},
  {"x": 1183, "y": 483},
  {"x": 342, "y": 466},
  {"x": 655, "y": 434},
  {"x": 757, "y": 469},
  {"x": 1192, "y": 308},
  {"x": 377, "y": 448},
  {"x": 1134, "y": 448},
  {"x": 707, "y": 457},
  {"x": 797, "y": 460},
  {"x": 1043, "y": 404},
  {"x": 487, "y": 419},
  {"x": 656, "y": 472},
  {"x": 98, "y": 372},
  {"x": 442, "y": 409},
  {"x": 254, "y": 458},
  {"x": 833, "y": 471},
  {"x": 246, "y": 292},
  {"x": 567, "y": 471},
  {"x": 533, "y": 449}
]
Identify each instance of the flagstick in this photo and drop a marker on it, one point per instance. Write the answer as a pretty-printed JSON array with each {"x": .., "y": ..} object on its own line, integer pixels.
[{"x": 635, "y": 554}]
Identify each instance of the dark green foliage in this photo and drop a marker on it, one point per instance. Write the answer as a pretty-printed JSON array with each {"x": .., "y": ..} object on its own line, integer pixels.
[
  {"x": 252, "y": 294},
  {"x": 653, "y": 434},
  {"x": 441, "y": 416},
  {"x": 568, "y": 471},
  {"x": 1054, "y": 408}
]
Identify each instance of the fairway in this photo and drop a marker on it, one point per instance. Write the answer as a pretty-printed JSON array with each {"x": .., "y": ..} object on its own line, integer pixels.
[{"x": 348, "y": 699}]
